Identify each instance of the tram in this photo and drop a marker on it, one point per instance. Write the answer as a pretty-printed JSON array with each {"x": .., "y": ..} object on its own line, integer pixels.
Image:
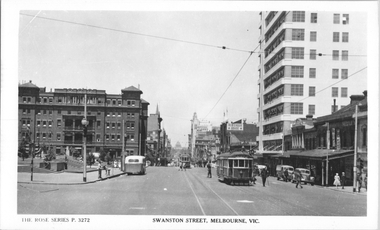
[
  {"x": 184, "y": 159},
  {"x": 235, "y": 167}
]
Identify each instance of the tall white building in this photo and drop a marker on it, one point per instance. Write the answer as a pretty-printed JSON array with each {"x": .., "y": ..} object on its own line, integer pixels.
[{"x": 308, "y": 62}]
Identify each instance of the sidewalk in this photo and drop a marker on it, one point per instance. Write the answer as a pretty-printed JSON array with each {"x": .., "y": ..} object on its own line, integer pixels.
[
  {"x": 66, "y": 178},
  {"x": 347, "y": 189}
]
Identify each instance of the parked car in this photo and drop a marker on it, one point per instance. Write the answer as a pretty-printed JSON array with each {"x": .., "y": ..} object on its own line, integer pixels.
[
  {"x": 280, "y": 171},
  {"x": 306, "y": 176}
]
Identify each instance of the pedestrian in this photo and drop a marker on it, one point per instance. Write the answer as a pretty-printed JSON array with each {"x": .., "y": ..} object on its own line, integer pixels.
[
  {"x": 343, "y": 179},
  {"x": 209, "y": 170},
  {"x": 99, "y": 170},
  {"x": 180, "y": 167},
  {"x": 264, "y": 176},
  {"x": 297, "y": 176},
  {"x": 336, "y": 180},
  {"x": 359, "y": 180},
  {"x": 286, "y": 174}
]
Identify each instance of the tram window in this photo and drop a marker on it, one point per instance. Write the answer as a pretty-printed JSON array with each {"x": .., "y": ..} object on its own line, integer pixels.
[
  {"x": 241, "y": 163},
  {"x": 236, "y": 163},
  {"x": 230, "y": 163}
]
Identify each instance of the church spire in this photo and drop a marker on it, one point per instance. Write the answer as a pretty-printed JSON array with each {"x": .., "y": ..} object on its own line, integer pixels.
[{"x": 157, "y": 111}]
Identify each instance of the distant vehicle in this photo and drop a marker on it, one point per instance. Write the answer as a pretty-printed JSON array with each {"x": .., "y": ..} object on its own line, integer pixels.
[
  {"x": 135, "y": 165},
  {"x": 234, "y": 167},
  {"x": 305, "y": 176},
  {"x": 185, "y": 160},
  {"x": 280, "y": 171}
]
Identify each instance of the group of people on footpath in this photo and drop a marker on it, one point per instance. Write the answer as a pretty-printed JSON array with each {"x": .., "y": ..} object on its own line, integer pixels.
[
  {"x": 102, "y": 167},
  {"x": 341, "y": 180}
]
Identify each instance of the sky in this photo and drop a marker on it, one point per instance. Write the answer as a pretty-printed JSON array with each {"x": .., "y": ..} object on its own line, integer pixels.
[{"x": 175, "y": 57}]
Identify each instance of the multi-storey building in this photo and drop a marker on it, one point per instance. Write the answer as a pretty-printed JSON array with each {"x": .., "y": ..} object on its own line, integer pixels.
[
  {"x": 54, "y": 119},
  {"x": 309, "y": 63}
]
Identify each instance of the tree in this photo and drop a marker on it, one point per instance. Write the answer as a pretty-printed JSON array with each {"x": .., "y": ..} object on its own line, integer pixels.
[
  {"x": 50, "y": 154},
  {"x": 102, "y": 155},
  {"x": 90, "y": 160},
  {"x": 22, "y": 149}
]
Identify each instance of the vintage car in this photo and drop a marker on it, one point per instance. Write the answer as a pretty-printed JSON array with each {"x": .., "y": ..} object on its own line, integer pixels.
[
  {"x": 306, "y": 176},
  {"x": 280, "y": 171}
]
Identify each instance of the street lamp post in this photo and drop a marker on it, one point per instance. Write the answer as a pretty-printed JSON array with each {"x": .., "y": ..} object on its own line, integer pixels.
[
  {"x": 31, "y": 149},
  {"x": 84, "y": 123}
]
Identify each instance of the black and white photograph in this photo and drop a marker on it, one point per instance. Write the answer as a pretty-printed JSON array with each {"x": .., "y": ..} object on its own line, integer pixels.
[{"x": 189, "y": 115}]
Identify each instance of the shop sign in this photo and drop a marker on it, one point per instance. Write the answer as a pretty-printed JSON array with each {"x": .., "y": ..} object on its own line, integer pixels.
[{"x": 235, "y": 127}]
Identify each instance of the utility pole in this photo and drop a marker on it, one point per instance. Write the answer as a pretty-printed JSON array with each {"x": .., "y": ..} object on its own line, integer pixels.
[
  {"x": 327, "y": 155},
  {"x": 355, "y": 148}
]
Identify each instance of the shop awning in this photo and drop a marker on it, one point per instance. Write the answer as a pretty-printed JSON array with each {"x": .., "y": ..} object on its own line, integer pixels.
[{"x": 321, "y": 154}]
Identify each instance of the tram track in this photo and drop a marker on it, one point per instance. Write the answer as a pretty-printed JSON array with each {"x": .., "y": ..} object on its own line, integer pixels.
[
  {"x": 210, "y": 191},
  {"x": 274, "y": 200}
]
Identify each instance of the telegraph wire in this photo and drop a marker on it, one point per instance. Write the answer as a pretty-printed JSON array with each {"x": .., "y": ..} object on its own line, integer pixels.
[
  {"x": 135, "y": 33},
  {"x": 250, "y": 55}
]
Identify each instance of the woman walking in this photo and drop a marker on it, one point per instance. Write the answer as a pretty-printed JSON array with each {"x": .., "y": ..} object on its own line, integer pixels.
[{"x": 336, "y": 180}]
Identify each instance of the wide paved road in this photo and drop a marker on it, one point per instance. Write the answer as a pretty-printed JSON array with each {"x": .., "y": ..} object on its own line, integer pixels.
[{"x": 167, "y": 191}]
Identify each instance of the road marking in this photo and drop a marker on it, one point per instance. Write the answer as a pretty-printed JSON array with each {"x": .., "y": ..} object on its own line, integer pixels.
[
  {"x": 244, "y": 201},
  {"x": 223, "y": 201},
  {"x": 196, "y": 197},
  {"x": 140, "y": 208},
  {"x": 165, "y": 189}
]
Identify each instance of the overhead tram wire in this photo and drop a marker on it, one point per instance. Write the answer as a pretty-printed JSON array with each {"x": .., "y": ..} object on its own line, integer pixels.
[
  {"x": 250, "y": 55},
  {"x": 135, "y": 33}
]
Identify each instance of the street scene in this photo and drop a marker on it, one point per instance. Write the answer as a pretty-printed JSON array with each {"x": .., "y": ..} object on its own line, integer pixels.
[
  {"x": 170, "y": 191},
  {"x": 249, "y": 118}
]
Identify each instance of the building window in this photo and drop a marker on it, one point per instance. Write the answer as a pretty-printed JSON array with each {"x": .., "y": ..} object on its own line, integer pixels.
[
  {"x": 119, "y": 102},
  {"x": 297, "y": 90},
  {"x": 112, "y": 137},
  {"x": 59, "y": 123},
  {"x": 297, "y": 71},
  {"x": 334, "y": 91},
  {"x": 118, "y": 125},
  {"x": 50, "y": 123},
  {"x": 296, "y": 108},
  {"x": 312, "y": 109},
  {"x": 344, "y": 73},
  {"x": 68, "y": 112},
  {"x": 24, "y": 99},
  {"x": 336, "y": 18},
  {"x": 38, "y": 112},
  {"x": 114, "y": 102},
  {"x": 334, "y": 108},
  {"x": 312, "y": 72},
  {"x": 335, "y": 73},
  {"x": 312, "y": 91},
  {"x": 97, "y": 137},
  {"x": 113, "y": 125},
  {"x": 44, "y": 123},
  {"x": 343, "y": 92},
  {"x": 345, "y": 37},
  {"x": 108, "y": 124},
  {"x": 297, "y": 53},
  {"x": 314, "y": 18},
  {"x": 335, "y": 55},
  {"x": 108, "y": 114},
  {"x": 313, "y": 36},
  {"x": 346, "y": 19},
  {"x": 50, "y": 100},
  {"x": 298, "y": 34},
  {"x": 59, "y": 112},
  {"x": 119, "y": 114},
  {"x": 99, "y": 113},
  {"x": 113, "y": 114},
  {"x": 107, "y": 137},
  {"x": 58, "y": 136},
  {"x": 344, "y": 55},
  {"x": 298, "y": 16},
  {"x": 132, "y": 126},
  {"x": 118, "y": 137},
  {"x": 313, "y": 54},
  {"x": 364, "y": 135},
  {"x": 335, "y": 36},
  {"x": 43, "y": 135},
  {"x": 108, "y": 101},
  {"x": 98, "y": 123}
]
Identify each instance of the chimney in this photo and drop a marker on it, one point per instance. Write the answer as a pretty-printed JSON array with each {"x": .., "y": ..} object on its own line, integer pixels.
[{"x": 356, "y": 98}]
